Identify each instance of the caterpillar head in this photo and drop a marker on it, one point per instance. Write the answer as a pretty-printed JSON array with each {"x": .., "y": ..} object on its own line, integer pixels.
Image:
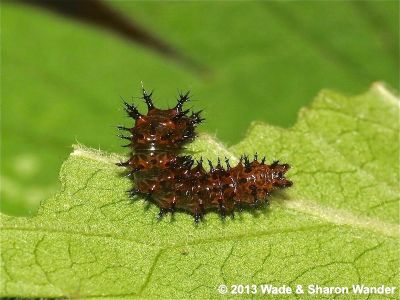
[{"x": 162, "y": 129}]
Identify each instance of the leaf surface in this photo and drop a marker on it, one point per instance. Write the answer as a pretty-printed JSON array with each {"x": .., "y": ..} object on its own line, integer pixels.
[{"x": 337, "y": 226}]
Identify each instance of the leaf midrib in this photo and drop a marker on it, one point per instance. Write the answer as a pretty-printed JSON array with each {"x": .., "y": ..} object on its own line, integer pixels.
[
  {"x": 235, "y": 237},
  {"x": 328, "y": 214},
  {"x": 385, "y": 228}
]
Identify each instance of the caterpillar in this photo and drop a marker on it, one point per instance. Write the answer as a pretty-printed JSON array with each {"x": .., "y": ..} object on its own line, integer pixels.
[{"x": 177, "y": 182}]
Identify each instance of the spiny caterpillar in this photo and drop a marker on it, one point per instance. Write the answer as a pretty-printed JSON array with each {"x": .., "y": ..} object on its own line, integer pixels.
[{"x": 178, "y": 182}]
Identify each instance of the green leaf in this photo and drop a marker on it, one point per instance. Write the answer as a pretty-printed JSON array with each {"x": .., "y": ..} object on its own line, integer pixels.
[
  {"x": 62, "y": 84},
  {"x": 344, "y": 150},
  {"x": 337, "y": 226}
]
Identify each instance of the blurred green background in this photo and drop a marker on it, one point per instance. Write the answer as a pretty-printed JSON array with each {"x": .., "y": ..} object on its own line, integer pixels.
[{"x": 62, "y": 76}]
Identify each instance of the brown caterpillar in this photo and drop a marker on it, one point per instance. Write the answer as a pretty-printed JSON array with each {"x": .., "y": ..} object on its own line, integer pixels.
[{"x": 176, "y": 182}]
